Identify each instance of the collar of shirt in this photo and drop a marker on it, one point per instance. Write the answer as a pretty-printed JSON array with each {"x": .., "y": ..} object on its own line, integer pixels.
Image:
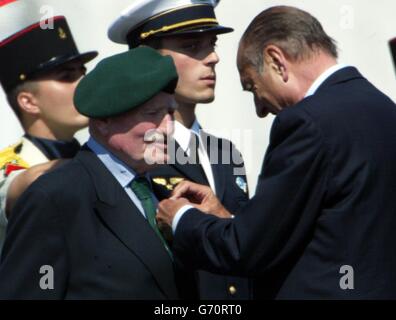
[
  {"x": 322, "y": 78},
  {"x": 118, "y": 168},
  {"x": 183, "y": 135},
  {"x": 123, "y": 173}
]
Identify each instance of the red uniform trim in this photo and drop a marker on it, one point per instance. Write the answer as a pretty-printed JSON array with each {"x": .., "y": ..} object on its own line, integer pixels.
[
  {"x": 12, "y": 167},
  {"x": 26, "y": 30},
  {"x": 4, "y": 2}
]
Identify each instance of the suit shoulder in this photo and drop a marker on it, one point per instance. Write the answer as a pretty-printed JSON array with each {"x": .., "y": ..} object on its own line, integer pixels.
[{"x": 71, "y": 176}]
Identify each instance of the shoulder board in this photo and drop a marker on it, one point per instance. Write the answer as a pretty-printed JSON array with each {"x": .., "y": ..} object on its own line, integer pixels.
[{"x": 9, "y": 156}]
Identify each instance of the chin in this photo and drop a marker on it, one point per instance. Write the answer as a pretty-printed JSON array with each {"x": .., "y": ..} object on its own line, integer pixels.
[
  {"x": 262, "y": 113},
  {"x": 207, "y": 99},
  {"x": 81, "y": 122}
]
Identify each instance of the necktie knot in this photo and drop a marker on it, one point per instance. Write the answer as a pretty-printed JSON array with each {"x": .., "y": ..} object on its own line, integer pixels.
[{"x": 141, "y": 187}]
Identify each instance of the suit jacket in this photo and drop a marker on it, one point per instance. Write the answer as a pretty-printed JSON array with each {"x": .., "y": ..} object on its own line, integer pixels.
[
  {"x": 231, "y": 188},
  {"x": 322, "y": 222},
  {"x": 80, "y": 221}
]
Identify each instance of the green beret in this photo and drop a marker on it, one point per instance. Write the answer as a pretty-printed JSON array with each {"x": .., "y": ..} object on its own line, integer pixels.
[{"x": 125, "y": 81}]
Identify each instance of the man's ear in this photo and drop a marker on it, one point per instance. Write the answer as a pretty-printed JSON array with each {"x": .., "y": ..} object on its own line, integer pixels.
[
  {"x": 28, "y": 103},
  {"x": 101, "y": 126},
  {"x": 276, "y": 60}
]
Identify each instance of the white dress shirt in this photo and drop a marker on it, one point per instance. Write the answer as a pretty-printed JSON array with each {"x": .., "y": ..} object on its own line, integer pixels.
[
  {"x": 183, "y": 137},
  {"x": 322, "y": 78}
]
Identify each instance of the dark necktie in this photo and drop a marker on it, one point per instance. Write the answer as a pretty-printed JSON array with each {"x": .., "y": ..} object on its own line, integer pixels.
[
  {"x": 141, "y": 187},
  {"x": 193, "y": 147}
]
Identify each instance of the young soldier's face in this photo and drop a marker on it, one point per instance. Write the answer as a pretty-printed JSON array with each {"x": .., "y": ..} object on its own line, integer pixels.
[
  {"x": 55, "y": 99},
  {"x": 195, "y": 59}
]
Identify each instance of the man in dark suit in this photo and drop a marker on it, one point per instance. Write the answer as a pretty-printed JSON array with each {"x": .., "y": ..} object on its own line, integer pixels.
[
  {"x": 87, "y": 230},
  {"x": 187, "y": 30},
  {"x": 321, "y": 224}
]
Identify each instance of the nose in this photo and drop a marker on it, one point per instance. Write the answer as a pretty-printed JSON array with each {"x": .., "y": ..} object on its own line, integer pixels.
[
  {"x": 212, "y": 59},
  {"x": 166, "y": 126}
]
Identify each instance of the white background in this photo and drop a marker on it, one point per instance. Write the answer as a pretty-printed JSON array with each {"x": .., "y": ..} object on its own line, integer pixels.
[{"x": 362, "y": 29}]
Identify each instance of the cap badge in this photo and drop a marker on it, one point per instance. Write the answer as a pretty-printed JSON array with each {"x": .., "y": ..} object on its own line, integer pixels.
[{"x": 62, "y": 34}]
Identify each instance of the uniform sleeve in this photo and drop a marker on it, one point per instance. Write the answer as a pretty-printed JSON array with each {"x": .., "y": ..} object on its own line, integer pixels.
[
  {"x": 5, "y": 182},
  {"x": 278, "y": 220},
  {"x": 34, "y": 257}
]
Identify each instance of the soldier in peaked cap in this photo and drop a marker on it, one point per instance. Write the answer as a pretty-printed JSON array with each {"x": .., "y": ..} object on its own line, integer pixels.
[
  {"x": 93, "y": 219},
  {"x": 40, "y": 68},
  {"x": 187, "y": 30}
]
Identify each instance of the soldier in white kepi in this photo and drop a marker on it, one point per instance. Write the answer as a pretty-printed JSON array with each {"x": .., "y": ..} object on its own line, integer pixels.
[
  {"x": 40, "y": 69},
  {"x": 187, "y": 30}
]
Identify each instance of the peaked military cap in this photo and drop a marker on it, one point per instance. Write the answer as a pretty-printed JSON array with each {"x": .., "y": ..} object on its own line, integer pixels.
[
  {"x": 145, "y": 19},
  {"x": 26, "y": 50},
  {"x": 125, "y": 81}
]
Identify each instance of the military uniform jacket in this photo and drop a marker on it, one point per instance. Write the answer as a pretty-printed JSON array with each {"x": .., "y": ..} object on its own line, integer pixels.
[
  {"x": 231, "y": 188},
  {"x": 13, "y": 160},
  {"x": 322, "y": 222},
  {"x": 79, "y": 221}
]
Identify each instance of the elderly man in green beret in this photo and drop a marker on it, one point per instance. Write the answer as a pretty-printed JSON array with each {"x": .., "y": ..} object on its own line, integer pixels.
[{"x": 88, "y": 230}]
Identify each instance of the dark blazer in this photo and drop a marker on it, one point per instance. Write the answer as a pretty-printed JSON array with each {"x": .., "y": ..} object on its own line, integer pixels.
[
  {"x": 80, "y": 221},
  {"x": 228, "y": 173},
  {"x": 325, "y": 199}
]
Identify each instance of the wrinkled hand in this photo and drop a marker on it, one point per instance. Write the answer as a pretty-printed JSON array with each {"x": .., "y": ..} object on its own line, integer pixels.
[
  {"x": 189, "y": 193},
  {"x": 201, "y": 197},
  {"x": 167, "y": 210}
]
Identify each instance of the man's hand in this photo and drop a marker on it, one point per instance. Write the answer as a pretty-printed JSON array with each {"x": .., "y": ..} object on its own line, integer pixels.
[
  {"x": 26, "y": 178},
  {"x": 188, "y": 193},
  {"x": 167, "y": 210},
  {"x": 201, "y": 197}
]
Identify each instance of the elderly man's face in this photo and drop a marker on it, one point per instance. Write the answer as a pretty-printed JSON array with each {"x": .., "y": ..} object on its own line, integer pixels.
[
  {"x": 265, "y": 89},
  {"x": 139, "y": 136},
  {"x": 271, "y": 89}
]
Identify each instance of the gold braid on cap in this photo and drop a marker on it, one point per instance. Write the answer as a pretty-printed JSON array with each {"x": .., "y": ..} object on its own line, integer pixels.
[{"x": 145, "y": 35}]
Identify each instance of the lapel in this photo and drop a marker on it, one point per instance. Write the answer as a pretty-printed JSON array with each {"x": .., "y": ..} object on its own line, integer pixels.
[
  {"x": 342, "y": 75},
  {"x": 193, "y": 172},
  {"x": 124, "y": 219},
  {"x": 214, "y": 149}
]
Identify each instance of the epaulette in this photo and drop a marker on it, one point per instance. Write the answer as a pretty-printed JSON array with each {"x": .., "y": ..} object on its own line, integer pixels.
[{"x": 10, "y": 160}]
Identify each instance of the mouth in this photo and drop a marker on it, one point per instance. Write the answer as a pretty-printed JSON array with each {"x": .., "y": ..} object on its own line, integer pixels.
[{"x": 209, "y": 79}]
